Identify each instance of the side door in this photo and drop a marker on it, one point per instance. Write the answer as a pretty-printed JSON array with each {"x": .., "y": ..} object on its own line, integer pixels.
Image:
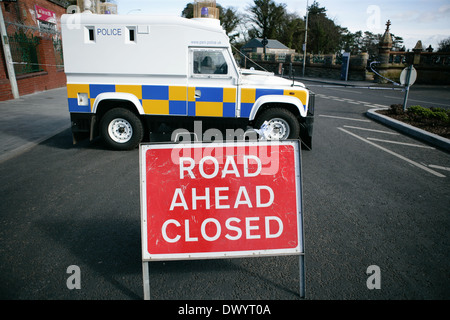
[{"x": 212, "y": 83}]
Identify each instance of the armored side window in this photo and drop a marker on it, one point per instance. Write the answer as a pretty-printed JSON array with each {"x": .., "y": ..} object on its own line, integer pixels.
[
  {"x": 131, "y": 36},
  {"x": 90, "y": 34},
  {"x": 209, "y": 62}
]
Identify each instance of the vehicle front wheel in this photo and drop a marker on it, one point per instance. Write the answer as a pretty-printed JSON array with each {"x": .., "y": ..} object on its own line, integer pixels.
[
  {"x": 121, "y": 129},
  {"x": 282, "y": 124}
]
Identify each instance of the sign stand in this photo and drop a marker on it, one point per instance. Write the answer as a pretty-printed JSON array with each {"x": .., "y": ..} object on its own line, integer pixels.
[
  {"x": 236, "y": 210},
  {"x": 301, "y": 265},
  {"x": 146, "y": 277}
]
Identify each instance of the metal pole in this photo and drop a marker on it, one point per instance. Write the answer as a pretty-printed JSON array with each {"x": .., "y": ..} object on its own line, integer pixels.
[
  {"x": 8, "y": 57},
  {"x": 302, "y": 275},
  {"x": 146, "y": 278},
  {"x": 306, "y": 37},
  {"x": 408, "y": 78}
]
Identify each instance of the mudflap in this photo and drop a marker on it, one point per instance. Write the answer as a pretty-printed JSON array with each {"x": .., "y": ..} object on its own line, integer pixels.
[
  {"x": 306, "y": 131},
  {"x": 83, "y": 126}
]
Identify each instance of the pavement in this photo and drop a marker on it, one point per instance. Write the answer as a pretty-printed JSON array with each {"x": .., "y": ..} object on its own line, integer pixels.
[{"x": 34, "y": 118}]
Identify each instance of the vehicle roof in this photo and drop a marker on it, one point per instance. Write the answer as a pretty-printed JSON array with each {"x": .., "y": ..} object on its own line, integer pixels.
[{"x": 89, "y": 18}]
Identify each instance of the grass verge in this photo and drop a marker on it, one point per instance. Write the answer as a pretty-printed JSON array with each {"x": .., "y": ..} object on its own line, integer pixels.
[{"x": 434, "y": 120}]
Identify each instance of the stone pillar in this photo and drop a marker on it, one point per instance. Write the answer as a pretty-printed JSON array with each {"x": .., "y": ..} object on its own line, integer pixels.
[
  {"x": 364, "y": 56},
  {"x": 384, "y": 49},
  {"x": 417, "y": 50},
  {"x": 385, "y": 46}
]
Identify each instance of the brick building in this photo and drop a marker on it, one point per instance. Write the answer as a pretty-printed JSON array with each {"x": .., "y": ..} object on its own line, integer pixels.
[{"x": 33, "y": 29}]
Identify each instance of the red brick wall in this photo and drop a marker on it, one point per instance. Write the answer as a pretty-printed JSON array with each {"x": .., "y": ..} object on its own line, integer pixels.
[
  {"x": 51, "y": 77},
  {"x": 5, "y": 87}
]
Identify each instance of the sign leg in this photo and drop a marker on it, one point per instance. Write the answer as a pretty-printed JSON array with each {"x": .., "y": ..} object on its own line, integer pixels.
[
  {"x": 302, "y": 275},
  {"x": 146, "y": 277}
]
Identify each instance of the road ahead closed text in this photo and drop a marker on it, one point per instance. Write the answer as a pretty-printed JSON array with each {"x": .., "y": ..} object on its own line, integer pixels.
[{"x": 221, "y": 200}]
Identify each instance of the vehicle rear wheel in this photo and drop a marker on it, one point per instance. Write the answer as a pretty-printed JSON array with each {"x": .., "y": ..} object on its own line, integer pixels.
[
  {"x": 121, "y": 129},
  {"x": 282, "y": 124}
]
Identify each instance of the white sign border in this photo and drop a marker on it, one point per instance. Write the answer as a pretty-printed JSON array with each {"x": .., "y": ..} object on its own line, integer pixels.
[{"x": 299, "y": 250}]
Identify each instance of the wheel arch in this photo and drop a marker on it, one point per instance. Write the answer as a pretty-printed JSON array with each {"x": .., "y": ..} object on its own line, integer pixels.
[
  {"x": 277, "y": 101},
  {"x": 110, "y": 100}
]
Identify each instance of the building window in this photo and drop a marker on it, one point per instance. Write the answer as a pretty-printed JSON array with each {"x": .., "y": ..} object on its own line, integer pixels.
[
  {"x": 57, "y": 46},
  {"x": 24, "y": 51}
]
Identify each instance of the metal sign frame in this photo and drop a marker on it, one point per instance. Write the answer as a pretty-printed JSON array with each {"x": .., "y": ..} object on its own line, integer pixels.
[{"x": 147, "y": 257}]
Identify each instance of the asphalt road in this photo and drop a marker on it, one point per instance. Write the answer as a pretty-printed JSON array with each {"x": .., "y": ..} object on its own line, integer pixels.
[
  {"x": 374, "y": 197},
  {"x": 371, "y": 197}
]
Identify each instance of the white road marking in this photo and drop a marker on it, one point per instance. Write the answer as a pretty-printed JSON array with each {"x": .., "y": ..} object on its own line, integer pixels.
[
  {"x": 402, "y": 143},
  {"x": 346, "y": 90},
  {"x": 351, "y": 101},
  {"x": 373, "y": 130},
  {"x": 422, "y": 101},
  {"x": 439, "y": 167},
  {"x": 343, "y": 118},
  {"x": 418, "y": 165}
]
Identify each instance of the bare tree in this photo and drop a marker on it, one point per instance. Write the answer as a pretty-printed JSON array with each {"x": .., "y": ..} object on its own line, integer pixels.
[
  {"x": 266, "y": 17},
  {"x": 444, "y": 45}
]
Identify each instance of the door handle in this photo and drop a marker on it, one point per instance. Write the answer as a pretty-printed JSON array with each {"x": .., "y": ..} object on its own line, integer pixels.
[{"x": 198, "y": 94}]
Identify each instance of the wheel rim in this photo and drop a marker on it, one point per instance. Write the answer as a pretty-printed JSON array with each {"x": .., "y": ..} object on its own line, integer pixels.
[
  {"x": 120, "y": 130},
  {"x": 279, "y": 129}
]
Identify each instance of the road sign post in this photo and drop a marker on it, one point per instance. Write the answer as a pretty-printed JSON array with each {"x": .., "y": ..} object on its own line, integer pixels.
[
  {"x": 221, "y": 200},
  {"x": 407, "y": 78}
]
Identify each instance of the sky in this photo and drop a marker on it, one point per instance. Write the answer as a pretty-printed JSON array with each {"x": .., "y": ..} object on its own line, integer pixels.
[{"x": 413, "y": 20}]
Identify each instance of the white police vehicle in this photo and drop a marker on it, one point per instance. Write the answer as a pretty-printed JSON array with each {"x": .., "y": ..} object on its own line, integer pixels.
[{"x": 127, "y": 75}]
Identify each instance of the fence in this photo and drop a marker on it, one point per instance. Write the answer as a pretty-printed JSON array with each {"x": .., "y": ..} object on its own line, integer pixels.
[
  {"x": 25, "y": 42},
  {"x": 432, "y": 67},
  {"x": 317, "y": 65},
  {"x": 37, "y": 59},
  {"x": 24, "y": 53}
]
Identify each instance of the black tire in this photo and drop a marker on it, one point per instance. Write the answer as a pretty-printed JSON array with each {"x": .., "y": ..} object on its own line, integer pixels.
[
  {"x": 285, "y": 123},
  {"x": 121, "y": 129}
]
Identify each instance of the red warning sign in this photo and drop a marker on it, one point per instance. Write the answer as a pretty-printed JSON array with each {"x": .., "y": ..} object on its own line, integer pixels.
[{"x": 220, "y": 200}]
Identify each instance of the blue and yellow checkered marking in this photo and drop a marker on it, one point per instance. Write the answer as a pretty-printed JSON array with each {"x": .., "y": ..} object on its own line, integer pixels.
[
  {"x": 180, "y": 100},
  {"x": 163, "y": 100},
  {"x": 250, "y": 95}
]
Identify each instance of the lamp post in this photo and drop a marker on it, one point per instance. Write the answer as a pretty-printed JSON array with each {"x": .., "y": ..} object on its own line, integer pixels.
[
  {"x": 8, "y": 57},
  {"x": 306, "y": 37},
  {"x": 265, "y": 42}
]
